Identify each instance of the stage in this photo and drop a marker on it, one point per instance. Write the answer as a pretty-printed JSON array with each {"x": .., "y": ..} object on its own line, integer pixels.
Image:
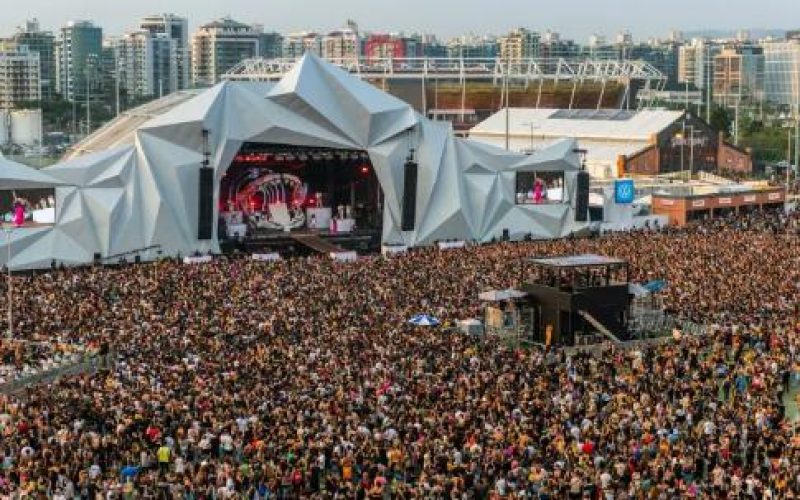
[{"x": 364, "y": 241}]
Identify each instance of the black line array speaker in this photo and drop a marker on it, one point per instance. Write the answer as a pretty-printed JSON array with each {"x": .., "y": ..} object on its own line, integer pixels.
[
  {"x": 409, "y": 196},
  {"x": 205, "y": 207},
  {"x": 582, "y": 197}
]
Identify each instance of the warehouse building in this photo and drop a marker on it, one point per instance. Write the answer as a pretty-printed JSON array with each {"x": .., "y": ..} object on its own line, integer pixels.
[{"x": 618, "y": 143}]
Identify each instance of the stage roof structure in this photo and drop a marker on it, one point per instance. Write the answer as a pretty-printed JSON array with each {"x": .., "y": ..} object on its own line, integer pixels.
[
  {"x": 572, "y": 261},
  {"x": 133, "y": 186}
]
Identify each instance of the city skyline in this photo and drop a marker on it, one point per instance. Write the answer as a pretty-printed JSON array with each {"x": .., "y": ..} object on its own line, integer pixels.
[{"x": 576, "y": 20}]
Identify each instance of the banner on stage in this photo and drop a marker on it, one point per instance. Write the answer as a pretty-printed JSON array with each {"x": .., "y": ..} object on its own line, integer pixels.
[
  {"x": 448, "y": 245},
  {"x": 344, "y": 256},
  {"x": 394, "y": 249},
  {"x": 202, "y": 259},
  {"x": 267, "y": 257}
]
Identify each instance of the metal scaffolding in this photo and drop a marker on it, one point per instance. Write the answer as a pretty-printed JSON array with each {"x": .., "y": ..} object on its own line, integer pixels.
[{"x": 496, "y": 70}]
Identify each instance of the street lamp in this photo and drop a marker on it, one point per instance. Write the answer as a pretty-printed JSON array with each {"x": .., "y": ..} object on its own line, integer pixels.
[
  {"x": 691, "y": 150},
  {"x": 681, "y": 137},
  {"x": 8, "y": 228},
  {"x": 533, "y": 126}
]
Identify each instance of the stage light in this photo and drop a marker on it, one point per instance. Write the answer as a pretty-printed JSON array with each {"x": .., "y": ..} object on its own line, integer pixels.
[{"x": 364, "y": 169}]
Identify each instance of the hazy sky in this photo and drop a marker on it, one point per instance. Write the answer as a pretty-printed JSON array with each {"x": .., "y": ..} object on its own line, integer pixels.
[{"x": 572, "y": 18}]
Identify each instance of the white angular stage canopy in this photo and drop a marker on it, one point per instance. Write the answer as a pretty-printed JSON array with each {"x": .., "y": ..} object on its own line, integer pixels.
[{"x": 141, "y": 195}]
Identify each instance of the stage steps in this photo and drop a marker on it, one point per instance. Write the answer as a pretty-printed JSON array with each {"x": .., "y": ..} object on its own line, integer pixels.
[
  {"x": 317, "y": 244},
  {"x": 600, "y": 327}
]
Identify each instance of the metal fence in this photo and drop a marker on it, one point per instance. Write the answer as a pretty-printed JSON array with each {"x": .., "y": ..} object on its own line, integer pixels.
[{"x": 89, "y": 364}]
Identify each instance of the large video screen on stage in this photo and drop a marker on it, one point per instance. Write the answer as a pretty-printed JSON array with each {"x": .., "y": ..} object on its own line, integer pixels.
[
  {"x": 536, "y": 188},
  {"x": 28, "y": 207}
]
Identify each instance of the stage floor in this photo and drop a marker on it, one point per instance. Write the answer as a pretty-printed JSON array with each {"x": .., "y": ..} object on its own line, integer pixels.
[{"x": 363, "y": 240}]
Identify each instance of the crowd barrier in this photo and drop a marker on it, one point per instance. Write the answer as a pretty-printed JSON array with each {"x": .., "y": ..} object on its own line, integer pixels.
[{"x": 89, "y": 364}]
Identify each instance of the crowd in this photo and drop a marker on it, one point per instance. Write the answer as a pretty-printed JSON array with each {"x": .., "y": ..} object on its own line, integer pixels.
[{"x": 302, "y": 379}]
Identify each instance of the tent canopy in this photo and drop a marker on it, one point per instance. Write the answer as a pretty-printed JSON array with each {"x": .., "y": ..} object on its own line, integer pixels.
[
  {"x": 501, "y": 295},
  {"x": 15, "y": 175},
  {"x": 423, "y": 320}
]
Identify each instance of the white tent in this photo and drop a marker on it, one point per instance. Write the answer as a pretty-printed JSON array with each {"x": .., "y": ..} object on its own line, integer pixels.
[{"x": 14, "y": 175}]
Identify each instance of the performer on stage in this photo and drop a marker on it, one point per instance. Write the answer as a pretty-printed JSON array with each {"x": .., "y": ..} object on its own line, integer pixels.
[
  {"x": 537, "y": 191},
  {"x": 19, "y": 213}
]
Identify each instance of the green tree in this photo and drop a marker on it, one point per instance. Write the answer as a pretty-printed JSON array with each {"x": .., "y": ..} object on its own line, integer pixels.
[{"x": 721, "y": 120}]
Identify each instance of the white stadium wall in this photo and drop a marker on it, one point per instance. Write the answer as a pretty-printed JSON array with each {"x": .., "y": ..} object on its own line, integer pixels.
[{"x": 144, "y": 193}]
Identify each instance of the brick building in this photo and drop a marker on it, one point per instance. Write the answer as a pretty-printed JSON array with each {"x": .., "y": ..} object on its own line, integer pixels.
[
  {"x": 682, "y": 209},
  {"x": 688, "y": 143}
]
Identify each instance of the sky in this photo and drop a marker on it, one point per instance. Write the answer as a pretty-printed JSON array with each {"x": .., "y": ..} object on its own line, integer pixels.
[{"x": 576, "y": 19}]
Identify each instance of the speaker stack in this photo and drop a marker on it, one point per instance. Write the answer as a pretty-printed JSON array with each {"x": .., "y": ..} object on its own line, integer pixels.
[
  {"x": 409, "y": 195},
  {"x": 582, "y": 198}
]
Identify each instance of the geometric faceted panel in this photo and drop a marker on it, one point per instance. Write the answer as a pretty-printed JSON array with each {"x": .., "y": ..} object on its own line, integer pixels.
[{"x": 141, "y": 195}]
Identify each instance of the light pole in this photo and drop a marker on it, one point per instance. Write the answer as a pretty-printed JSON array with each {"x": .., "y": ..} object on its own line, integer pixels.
[
  {"x": 533, "y": 126},
  {"x": 691, "y": 150},
  {"x": 682, "y": 137},
  {"x": 7, "y": 228}
]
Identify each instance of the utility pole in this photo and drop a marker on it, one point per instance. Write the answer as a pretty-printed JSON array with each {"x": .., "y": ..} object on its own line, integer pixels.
[
  {"x": 88, "y": 103},
  {"x": 683, "y": 144},
  {"x": 708, "y": 66},
  {"x": 691, "y": 151},
  {"x": 508, "y": 118},
  {"x": 116, "y": 85},
  {"x": 10, "y": 290},
  {"x": 788, "y": 155}
]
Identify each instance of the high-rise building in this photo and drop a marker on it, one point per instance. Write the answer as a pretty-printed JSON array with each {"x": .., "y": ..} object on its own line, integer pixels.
[
  {"x": 519, "y": 44},
  {"x": 342, "y": 46},
  {"x": 177, "y": 29},
  {"x": 782, "y": 74},
  {"x": 472, "y": 47},
  {"x": 78, "y": 50},
  {"x": 432, "y": 47},
  {"x": 271, "y": 45},
  {"x": 19, "y": 78},
  {"x": 383, "y": 46},
  {"x": 297, "y": 44},
  {"x": 147, "y": 64},
  {"x": 553, "y": 48},
  {"x": 624, "y": 45},
  {"x": 738, "y": 75},
  {"x": 664, "y": 56},
  {"x": 220, "y": 45},
  {"x": 30, "y": 37},
  {"x": 599, "y": 48},
  {"x": 696, "y": 63}
]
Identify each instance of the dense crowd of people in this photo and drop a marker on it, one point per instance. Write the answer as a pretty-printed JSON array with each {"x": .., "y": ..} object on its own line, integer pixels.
[{"x": 303, "y": 379}]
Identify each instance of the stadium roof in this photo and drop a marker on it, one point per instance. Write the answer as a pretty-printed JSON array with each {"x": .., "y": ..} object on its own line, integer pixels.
[{"x": 548, "y": 123}]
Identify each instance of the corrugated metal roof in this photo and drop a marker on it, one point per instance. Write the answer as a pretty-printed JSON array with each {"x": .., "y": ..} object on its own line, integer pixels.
[{"x": 609, "y": 125}]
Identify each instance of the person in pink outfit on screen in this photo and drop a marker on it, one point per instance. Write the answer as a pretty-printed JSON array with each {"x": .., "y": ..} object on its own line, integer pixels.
[
  {"x": 537, "y": 191},
  {"x": 19, "y": 213}
]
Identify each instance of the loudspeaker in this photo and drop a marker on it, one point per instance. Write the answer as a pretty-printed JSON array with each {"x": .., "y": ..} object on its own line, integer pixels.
[
  {"x": 97, "y": 258},
  {"x": 409, "y": 196},
  {"x": 582, "y": 197},
  {"x": 205, "y": 207},
  {"x": 506, "y": 235}
]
